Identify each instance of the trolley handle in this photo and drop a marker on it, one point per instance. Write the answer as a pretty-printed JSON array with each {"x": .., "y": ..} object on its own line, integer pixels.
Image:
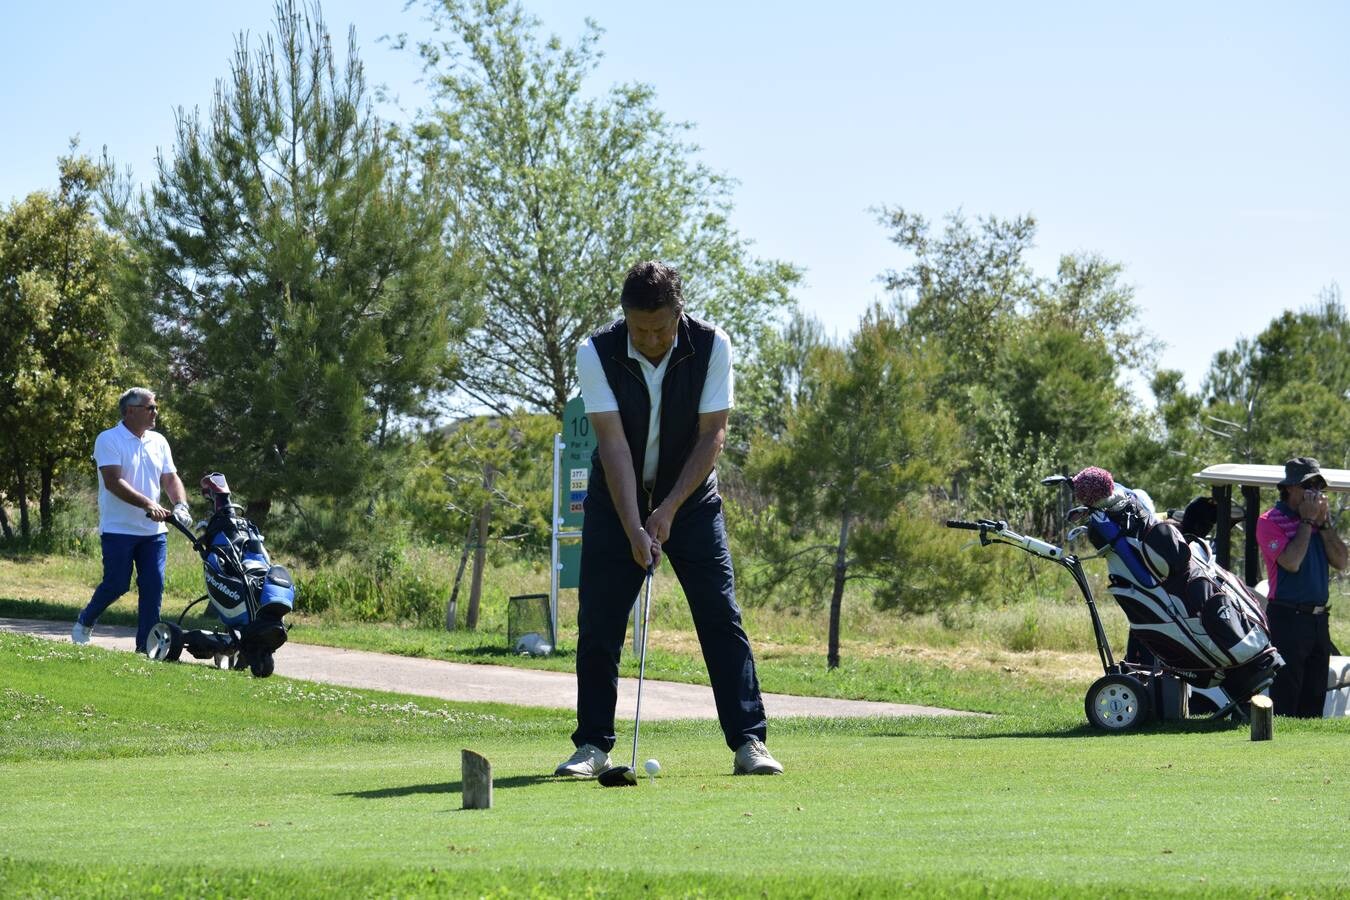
[
  {"x": 197, "y": 544},
  {"x": 992, "y": 532},
  {"x": 978, "y": 525},
  {"x": 985, "y": 527}
]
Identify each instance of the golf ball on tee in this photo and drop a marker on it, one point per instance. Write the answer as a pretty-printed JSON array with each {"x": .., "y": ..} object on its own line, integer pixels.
[{"x": 652, "y": 766}]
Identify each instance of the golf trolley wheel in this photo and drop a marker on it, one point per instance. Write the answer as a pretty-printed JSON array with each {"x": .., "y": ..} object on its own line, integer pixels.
[
  {"x": 1118, "y": 703},
  {"x": 165, "y": 642},
  {"x": 262, "y": 665}
]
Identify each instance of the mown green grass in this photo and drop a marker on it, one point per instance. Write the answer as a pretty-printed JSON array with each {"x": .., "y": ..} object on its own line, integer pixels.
[{"x": 121, "y": 776}]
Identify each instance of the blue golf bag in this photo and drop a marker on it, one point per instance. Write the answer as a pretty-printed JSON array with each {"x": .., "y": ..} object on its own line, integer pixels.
[{"x": 247, "y": 593}]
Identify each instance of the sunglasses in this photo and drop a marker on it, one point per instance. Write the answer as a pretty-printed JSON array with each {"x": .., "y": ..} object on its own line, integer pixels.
[{"x": 153, "y": 407}]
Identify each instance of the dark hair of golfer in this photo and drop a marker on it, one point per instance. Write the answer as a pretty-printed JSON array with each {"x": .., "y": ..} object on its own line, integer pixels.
[{"x": 651, "y": 286}]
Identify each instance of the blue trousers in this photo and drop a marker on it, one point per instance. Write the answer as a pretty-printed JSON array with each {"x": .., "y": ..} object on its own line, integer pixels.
[
  {"x": 148, "y": 553},
  {"x": 610, "y": 580}
]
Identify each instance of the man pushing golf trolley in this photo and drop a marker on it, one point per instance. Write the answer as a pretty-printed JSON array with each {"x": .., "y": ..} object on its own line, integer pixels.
[
  {"x": 1203, "y": 625},
  {"x": 248, "y": 594}
]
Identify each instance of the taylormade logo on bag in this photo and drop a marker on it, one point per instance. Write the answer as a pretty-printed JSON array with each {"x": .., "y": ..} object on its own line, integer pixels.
[{"x": 223, "y": 588}]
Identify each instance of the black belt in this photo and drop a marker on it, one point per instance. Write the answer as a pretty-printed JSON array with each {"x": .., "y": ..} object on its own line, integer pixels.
[{"x": 1302, "y": 608}]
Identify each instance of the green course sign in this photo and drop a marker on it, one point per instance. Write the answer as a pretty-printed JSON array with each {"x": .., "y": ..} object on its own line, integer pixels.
[
  {"x": 569, "y": 558},
  {"x": 575, "y": 470},
  {"x": 574, "y": 474}
]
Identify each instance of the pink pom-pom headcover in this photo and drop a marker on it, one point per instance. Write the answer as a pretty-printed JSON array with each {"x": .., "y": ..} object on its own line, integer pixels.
[{"x": 1092, "y": 485}]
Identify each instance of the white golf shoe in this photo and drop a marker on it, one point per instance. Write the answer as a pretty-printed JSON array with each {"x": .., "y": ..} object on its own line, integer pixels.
[
  {"x": 753, "y": 758},
  {"x": 588, "y": 762},
  {"x": 81, "y": 632}
]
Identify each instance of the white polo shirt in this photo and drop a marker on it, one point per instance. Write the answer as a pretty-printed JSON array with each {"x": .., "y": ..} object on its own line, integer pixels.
[
  {"x": 143, "y": 460},
  {"x": 718, "y": 389}
]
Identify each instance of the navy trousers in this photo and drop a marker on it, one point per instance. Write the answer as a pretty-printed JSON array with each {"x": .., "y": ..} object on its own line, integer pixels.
[
  {"x": 610, "y": 580},
  {"x": 1304, "y": 640},
  {"x": 120, "y": 551}
]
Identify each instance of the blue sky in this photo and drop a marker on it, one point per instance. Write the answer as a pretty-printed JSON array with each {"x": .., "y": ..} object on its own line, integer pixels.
[{"x": 1202, "y": 145}]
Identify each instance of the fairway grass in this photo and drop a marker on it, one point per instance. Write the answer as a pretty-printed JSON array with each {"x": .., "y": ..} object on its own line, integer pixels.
[{"x": 120, "y": 776}]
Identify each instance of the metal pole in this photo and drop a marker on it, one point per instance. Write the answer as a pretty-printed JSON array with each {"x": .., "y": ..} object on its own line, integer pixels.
[
  {"x": 554, "y": 565},
  {"x": 1251, "y": 556},
  {"x": 1223, "y": 537}
]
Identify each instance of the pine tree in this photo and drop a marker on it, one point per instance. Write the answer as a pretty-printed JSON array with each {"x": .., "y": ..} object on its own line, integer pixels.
[{"x": 296, "y": 262}]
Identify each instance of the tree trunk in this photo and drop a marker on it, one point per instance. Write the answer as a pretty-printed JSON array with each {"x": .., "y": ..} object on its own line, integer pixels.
[
  {"x": 45, "y": 499},
  {"x": 452, "y": 604},
  {"x": 21, "y": 496},
  {"x": 4, "y": 522},
  {"x": 480, "y": 552},
  {"x": 837, "y": 598}
]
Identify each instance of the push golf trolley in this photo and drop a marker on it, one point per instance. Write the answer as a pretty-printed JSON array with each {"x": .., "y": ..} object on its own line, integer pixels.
[
  {"x": 247, "y": 594},
  {"x": 1179, "y": 626}
]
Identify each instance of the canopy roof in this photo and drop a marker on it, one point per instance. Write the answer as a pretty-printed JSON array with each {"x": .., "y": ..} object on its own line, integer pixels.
[{"x": 1265, "y": 476}]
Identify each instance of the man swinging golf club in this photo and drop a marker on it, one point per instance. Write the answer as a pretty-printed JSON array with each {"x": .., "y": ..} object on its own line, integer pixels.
[{"x": 657, "y": 385}]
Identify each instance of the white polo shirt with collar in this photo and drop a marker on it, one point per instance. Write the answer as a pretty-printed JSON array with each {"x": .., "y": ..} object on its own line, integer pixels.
[{"x": 144, "y": 460}]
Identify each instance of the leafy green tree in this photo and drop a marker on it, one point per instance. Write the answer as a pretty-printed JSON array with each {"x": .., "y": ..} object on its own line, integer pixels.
[
  {"x": 1033, "y": 366},
  {"x": 447, "y": 490},
  {"x": 774, "y": 381},
  {"x": 966, "y": 287},
  {"x": 1287, "y": 391},
  {"x": 562, "y": 192},
  {"x": 1169, "y": 445},
  {"x": 57, "y": 335},
  {"x": 296, "y": 264},
  {"x": 849, "y": 474},
  {"x": 1011, "y": 465},
  {"x": 1088, "y": 296},
  {"x": 1282, "y": 393},
  {"x": 483, "y": 478}
]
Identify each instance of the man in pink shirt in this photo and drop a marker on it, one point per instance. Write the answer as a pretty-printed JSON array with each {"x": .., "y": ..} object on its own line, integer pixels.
[{"x": 1299, "y": 543}]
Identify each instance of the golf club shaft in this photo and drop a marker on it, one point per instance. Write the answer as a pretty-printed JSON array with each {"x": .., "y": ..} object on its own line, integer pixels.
[{"x": 642, "y": 662}]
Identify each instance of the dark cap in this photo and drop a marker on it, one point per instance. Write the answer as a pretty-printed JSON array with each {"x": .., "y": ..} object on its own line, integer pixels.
[{"x": 1299, "y": 469}]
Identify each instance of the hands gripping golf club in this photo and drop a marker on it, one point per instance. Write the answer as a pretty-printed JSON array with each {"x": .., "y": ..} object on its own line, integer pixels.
[{"x": 626, "y": 776}]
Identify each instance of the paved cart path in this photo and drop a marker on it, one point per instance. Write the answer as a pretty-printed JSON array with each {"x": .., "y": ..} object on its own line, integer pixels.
[{"x": 495, "y": 684}]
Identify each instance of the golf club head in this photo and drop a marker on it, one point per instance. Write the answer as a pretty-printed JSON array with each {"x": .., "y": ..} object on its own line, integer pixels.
[
  {"x": 619, "y": 776},
  {"x": 1054, "y": 479}
]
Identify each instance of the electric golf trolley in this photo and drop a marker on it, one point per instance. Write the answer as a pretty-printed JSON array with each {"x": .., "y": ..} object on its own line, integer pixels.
[
  {"x": 247, "y": 594},
  {"x": 1203, "y": 628}
]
